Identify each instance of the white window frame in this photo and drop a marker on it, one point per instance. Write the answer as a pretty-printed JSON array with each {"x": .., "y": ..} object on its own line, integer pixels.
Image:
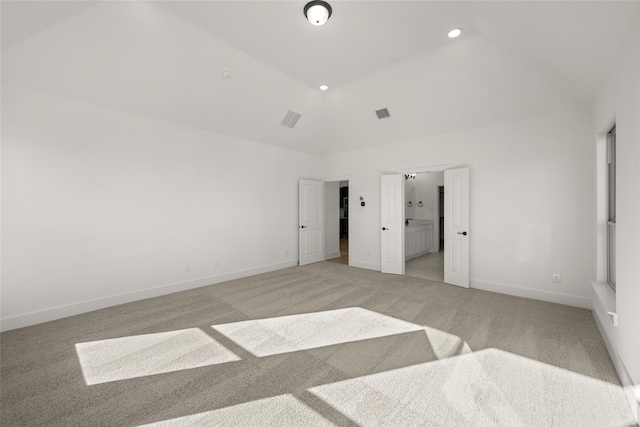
[{"x": 611, "y": 208}]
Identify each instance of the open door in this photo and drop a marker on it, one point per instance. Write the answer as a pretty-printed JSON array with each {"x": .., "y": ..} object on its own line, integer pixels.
[
  {"x": 392, "y": 219},
  {"x": 311, "y": 231},
  {"x": 456, "y": 227}
]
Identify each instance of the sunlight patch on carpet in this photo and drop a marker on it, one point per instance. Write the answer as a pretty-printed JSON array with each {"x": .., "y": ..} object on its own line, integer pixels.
[
  {"x": 141, "y": 355},
  {"x": 284, "y": 334},
  {"x": 487, "y": 387}
]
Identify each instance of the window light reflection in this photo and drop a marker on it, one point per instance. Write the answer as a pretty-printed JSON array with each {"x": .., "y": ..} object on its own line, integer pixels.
[
  {"x": 141, "y": 355},
  {"x": 284, "y": 334}
]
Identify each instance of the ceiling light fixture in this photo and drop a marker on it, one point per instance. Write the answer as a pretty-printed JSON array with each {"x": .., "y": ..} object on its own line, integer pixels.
[
  {"x": 317, "y": 12},
  {"x": 324, "y": 87},
  {"x": 454, "y": 33}
]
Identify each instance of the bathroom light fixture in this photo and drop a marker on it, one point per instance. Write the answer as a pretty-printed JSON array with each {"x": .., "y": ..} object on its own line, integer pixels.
[
  {"x": 324, "y": 87},
  {"x": 454, "y": 33},
  {"x": 410, "y": 176},
  {"x": 317, "y": 12}
]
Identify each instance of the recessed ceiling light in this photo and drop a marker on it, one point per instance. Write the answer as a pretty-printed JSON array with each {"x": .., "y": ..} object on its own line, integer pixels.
[
  {"x": 324, "y": 87},
  {"x": 454, "y": 33}
]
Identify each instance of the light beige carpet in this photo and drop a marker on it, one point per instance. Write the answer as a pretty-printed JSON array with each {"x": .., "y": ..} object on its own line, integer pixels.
[{"x": 323, "y": 344}]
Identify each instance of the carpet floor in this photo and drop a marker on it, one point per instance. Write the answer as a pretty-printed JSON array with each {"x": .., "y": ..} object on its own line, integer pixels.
[
  {"x": 429, "y": 266},
  {"x": 323, "y": 344}
]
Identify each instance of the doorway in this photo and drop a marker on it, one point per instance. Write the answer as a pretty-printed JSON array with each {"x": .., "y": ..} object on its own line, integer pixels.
[
  {"x": 424, "y": 237},
  {"x": 338, "y": 237},
  {"x": 397, "y": 242}
]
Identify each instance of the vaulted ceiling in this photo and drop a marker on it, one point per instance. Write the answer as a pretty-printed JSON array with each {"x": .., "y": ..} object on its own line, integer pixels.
[{"x": 164, "y": 60}]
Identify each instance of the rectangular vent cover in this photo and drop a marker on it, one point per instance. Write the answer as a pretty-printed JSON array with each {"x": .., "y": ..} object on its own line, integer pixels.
[
  {"x": 383, "y": 114},
  {"x": 290, "y": 119}
]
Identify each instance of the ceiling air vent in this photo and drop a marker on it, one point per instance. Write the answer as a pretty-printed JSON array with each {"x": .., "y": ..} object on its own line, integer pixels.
[
  {"x": 383, "y": 114},
  {"x": 290, "y": 119}
]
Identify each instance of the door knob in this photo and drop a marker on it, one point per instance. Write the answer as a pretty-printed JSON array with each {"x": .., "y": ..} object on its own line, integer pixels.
[
  {"x": 384, "y": 228},
  {"x": 464, "y": 233},
  {"x": 303, "y": 226}
]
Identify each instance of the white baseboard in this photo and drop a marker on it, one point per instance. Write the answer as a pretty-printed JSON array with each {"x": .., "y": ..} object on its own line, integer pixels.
[
  {"x": 532, "y": 293},
  {"x": 332, "y": 255},
  {"x": 365, "y": 265},
  {"x": 631, "y": 390},
  {"x": 55, "y": 313}
]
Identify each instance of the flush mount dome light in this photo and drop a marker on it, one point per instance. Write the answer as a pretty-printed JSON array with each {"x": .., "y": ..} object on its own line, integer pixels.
[
  {"x": 324, "y": 87},
  {"x": 454, "y": 33},
  {"x": 317, "y": 12}
]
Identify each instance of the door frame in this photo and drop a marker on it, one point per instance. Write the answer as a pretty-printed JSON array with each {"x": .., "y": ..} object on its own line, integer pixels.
[
  {"x": 429, "y": 168},
  {"x": 424, "y": 169},
  {"x": 338, "y": 179}
]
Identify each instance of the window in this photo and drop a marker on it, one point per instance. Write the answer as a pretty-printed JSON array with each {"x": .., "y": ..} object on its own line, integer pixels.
[{"x": 611, "y": 208}]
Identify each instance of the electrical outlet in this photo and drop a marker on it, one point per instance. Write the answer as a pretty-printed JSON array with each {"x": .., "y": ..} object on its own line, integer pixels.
[
  {"x": 556, "y": 278},
  {"x": 286, "y": 252},
  {"x": 187, "y": 268},
  {"x": 216, "y": 264}
]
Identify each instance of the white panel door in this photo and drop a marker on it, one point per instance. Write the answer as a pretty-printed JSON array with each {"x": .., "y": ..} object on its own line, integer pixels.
[
  {"x": 456, "y": 227},
  {"x": 392, "y": 219},
  {"x": 311, "y": 231}
]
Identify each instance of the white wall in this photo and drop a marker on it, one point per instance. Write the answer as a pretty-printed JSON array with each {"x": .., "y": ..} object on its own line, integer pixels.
[
  {"x": 102, "y": 207},
  {"x": 427, "y": 192},
  {"x": 409, "y": 199},
  {"x": 528, "y": 201},
  {"x": 424, "y": 188},
  {"x": 619, "y": 101}
]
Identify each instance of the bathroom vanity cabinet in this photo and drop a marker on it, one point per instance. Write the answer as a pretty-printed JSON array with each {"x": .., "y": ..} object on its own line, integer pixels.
[{"x": 418, "y": 239}]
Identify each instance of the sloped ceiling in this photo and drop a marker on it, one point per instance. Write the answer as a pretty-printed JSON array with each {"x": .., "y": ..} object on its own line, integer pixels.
[
  {"x": 359, "y": 39},
  {"x": 165, "y": 60}
]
